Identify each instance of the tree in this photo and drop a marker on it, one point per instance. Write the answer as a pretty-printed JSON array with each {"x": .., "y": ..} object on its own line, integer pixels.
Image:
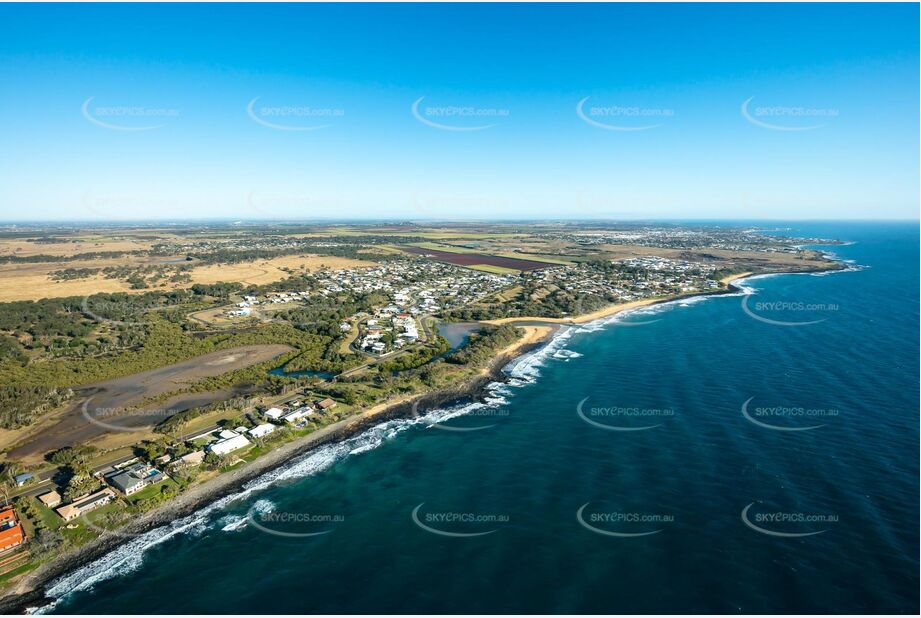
[{"x": 45, "y": 542}]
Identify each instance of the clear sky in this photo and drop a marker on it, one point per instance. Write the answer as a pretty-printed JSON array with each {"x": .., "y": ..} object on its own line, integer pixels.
[{"x": 526, "y": 111}]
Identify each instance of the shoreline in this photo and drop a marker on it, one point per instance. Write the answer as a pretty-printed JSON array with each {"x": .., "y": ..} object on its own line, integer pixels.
[
  {"x": 612, "y": 310},
  {"x": 29, "y": 592}
]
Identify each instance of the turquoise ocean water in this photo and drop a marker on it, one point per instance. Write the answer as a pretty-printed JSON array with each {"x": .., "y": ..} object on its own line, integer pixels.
[{"x": 664, "y": 491}]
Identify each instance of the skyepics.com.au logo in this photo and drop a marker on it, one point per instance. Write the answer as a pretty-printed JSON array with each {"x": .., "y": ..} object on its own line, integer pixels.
[
  {"x": 622, "y": 117},
  {"x": 778, "y": 310},
  {"x": 131, "y": 118},
  {"x": 116, "y": 418},
  {"x": 116, "y": 206},
  {"x": 292, "y": 524},
  {"x": 458, "y": 117},
  {"x": 786, "y": 418},
  {"x": 297, "y": 117},
  {"x": 786, "y": 117},
  {"x": 457, "y": 524},
  {"x": 280, "y": 205},
  {"x": 484, "y": 412},
  {"x": 623, "y": 418},
  {"x": 622, "y": 524},
  {"x": 786, "y": 524}
]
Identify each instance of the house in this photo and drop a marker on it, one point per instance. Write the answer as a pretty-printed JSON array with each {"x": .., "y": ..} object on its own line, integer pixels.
[
  {"x": 296, "y": 415},
  {"x": 134, "y": 478},
  {"x": 228, "y": 444},
  {"x": 274, "y": 413},
  {"x": 22, "y": 479},
  {"x": 50, "y": 499},
  {"x": 345, "y": 327},
  {"x": 226, "y": 434},
  {"x": 11, "y": 533},
  {"x": 260, "y": 431},
  {"x": 86, "y": 504},
  {"x": 326, "y": 404}
]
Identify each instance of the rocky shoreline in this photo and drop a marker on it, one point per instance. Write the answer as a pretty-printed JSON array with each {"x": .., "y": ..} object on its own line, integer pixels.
[{"x": 29, "y": 591}]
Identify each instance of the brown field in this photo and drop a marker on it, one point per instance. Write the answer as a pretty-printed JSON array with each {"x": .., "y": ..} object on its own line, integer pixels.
[
  {"x": 266, "y": 271},
  {"x": 31, "y": 281},
  {"x": 26, "y": 248}
]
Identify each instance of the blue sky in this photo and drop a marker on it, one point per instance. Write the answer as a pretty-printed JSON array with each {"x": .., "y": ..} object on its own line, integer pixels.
[{"x": 303, "y": 111}]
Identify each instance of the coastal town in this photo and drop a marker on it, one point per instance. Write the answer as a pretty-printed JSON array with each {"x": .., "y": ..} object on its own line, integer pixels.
[{"x": 357, "y": 334}]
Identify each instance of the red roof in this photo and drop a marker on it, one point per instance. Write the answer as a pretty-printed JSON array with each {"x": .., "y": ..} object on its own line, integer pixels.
[{"x": 10, "y": 535}]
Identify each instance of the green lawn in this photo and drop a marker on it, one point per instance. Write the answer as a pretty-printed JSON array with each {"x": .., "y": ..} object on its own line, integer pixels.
[
  {"x": 152, "y": 492},
  {"x": 536, "y": 257},
  {"x": 28, "y": 566},
  {"x": 496, "y": 270},
  {"x": 439, "y": 247}
]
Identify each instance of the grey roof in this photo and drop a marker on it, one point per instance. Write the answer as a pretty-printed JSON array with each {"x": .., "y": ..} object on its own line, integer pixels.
[{"x": 125, "y": 481}]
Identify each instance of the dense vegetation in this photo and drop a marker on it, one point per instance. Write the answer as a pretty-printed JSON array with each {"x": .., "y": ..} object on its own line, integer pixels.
[{"x": 483, "y": 345}]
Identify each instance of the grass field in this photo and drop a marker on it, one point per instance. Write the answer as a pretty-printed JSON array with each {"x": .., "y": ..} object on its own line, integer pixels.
[
  {"x": 440, "y": 247},
  {"x": 26, "y": 248},
  {"x": 32, "y": 281},
  {"x": 535, "y": 257},
  {"x": 266, "y": 271},
  {"x": 433, "y": 233},
  {"x": 496, "y": 270}
]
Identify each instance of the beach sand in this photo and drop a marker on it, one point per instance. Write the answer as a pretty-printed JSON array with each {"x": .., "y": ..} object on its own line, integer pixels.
[{"x": 533, "y": 335}]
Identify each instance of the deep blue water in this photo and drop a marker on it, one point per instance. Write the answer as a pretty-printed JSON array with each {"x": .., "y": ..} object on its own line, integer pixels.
[{"x": 685, "y": 371}]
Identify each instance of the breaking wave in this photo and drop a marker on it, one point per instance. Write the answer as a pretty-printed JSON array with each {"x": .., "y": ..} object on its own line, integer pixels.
[
  {"x": 129, "y": 557},
  {"x": 520, "y": 373}
]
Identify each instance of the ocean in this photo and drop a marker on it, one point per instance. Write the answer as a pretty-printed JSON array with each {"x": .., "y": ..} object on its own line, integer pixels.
[{"x": 747, "y": 453}]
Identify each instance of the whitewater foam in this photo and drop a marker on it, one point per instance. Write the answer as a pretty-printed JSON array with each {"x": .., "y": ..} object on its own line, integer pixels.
[{"x": 130, "y": 556}]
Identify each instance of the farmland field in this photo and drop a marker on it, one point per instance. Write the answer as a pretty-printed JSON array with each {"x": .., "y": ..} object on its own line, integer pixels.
[{"x": 475, "y": 259}]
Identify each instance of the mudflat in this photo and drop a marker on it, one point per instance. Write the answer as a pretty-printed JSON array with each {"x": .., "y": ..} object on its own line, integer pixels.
[{"x": 112, "y": 405}]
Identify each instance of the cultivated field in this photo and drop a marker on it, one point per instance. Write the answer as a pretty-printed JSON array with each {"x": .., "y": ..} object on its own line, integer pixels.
[{"x": 506, "y": 264}]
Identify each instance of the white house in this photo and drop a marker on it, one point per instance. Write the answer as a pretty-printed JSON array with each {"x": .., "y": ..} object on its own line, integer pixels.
[
  {"x": 274, "y": 413},
  {"x": 295, "y": 416},
  {"x": 228, "y": 445},
  {"x": 262, "y": 430}
]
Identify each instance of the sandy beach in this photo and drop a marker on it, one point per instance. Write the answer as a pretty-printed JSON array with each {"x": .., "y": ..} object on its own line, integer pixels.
[{"x": 532, "y": 335}]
